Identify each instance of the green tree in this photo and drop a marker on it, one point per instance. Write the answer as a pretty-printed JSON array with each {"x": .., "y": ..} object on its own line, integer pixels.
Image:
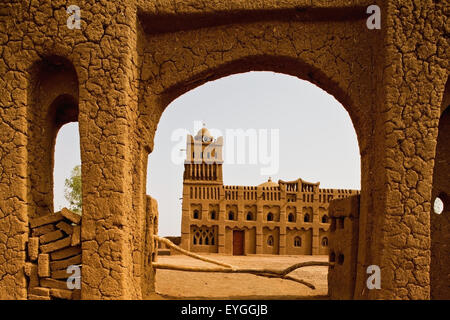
[{"x": 72, "y": 191}]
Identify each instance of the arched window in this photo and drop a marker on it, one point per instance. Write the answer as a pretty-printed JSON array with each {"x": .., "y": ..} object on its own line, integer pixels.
[
  {"x": 249, "y": 216},
  {"x": 67, "y": 156},
  {"x": 324, "y": 218},
  {"x": 231, "y": 215},
  {"x": 332, "y": 258},
  {"x": 213, "y": 215},
  {"x": 59, "y": 147},
  {"x": 297, "y": 242},
  {"x": 196, "y": 238},
  {"x": 324, "y": 242},
  {"x": 270, "y": 216},
  {"x": 270, "y": 241},
  {"x": 307, "y": 218},
  {"x": 196, "y": 214},
  {"x": 204, "y": 236},
  {"x": 291, "y": 217}
]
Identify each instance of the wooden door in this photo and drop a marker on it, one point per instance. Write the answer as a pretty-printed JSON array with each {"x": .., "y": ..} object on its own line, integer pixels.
[{"x": 238, "y": 242}]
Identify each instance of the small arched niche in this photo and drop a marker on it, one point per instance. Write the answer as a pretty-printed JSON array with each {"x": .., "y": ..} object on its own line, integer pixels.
[
  {"x": 307, "y": 218},
  {"x": 291, "y": 217},
  {"x": 297, "y": 241}
]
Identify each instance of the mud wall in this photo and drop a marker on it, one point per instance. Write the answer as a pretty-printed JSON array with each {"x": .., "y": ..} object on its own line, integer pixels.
[
  {"x": 133, "y": 57},
  {"x": 343, "y": 243}
]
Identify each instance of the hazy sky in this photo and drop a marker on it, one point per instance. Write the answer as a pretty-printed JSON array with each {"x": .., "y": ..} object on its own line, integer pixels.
[{"x": 317, "y": 141}]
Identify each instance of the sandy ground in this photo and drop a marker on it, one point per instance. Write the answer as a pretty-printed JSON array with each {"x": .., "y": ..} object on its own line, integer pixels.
[{"x": 196, "y": 285}]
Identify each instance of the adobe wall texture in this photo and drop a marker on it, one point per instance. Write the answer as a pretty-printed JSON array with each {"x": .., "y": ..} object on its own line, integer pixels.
[
  {"x": 131, "y": 58},
  {"x": 343, "y": 251},
  {"x": 411, "y": 87}
]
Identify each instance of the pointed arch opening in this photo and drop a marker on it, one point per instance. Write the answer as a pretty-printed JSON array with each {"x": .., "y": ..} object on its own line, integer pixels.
[
  {"x": 54, "y": 103},
  {"x": 183, "y": 105}
]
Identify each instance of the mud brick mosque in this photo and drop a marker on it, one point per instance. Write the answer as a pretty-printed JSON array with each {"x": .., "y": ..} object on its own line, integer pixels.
[{"x": 288, "y": 217}]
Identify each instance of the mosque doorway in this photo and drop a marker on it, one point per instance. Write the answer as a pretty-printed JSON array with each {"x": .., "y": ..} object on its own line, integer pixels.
[{"x": 238, "y": 242}]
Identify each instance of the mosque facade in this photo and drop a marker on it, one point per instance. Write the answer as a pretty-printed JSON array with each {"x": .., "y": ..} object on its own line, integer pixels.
[{"x": 284, "y": 217}]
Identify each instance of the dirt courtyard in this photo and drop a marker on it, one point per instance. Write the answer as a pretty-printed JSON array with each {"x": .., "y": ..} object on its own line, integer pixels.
[{"x": 196, "y": 285}]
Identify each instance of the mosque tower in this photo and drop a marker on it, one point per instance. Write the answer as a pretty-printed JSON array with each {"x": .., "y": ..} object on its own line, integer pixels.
[{"x": 204, "y": 160}]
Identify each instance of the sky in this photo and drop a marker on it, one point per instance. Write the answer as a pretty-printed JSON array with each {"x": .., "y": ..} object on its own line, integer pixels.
[{"x": 300, "y": 131}]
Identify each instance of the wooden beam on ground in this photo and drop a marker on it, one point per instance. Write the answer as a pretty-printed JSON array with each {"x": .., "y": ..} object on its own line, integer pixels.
[
  {"x": 264, "y": 272},
  {"x": 190, "y": 254}
]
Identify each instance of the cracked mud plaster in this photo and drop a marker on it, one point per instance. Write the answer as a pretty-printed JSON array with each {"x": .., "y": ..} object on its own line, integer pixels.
[
  {"x": 415, "y": 72},
  {"x": 116, "y": 75}
]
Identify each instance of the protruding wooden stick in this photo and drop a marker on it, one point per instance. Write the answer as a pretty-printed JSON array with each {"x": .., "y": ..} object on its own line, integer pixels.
[
  {"x": 264, "y": 272},
  {"x": 267, "y": 273},
  {"x": 287, "y": 277},
  {"x": 304, "y": 264},
  {"x": 190, "y": 254}
]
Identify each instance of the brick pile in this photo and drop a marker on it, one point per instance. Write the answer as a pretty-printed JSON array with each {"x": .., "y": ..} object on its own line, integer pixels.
[{"x": 53, "y": 246}]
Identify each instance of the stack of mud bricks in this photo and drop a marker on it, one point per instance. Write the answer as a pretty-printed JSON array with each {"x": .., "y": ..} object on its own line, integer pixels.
[
  {"x": 53, "y": 246},
  {"x": 343, "y": 247}
]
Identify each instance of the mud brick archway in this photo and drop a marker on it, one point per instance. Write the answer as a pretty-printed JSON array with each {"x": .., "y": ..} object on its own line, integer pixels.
[{"x": 132, "y": 57}]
